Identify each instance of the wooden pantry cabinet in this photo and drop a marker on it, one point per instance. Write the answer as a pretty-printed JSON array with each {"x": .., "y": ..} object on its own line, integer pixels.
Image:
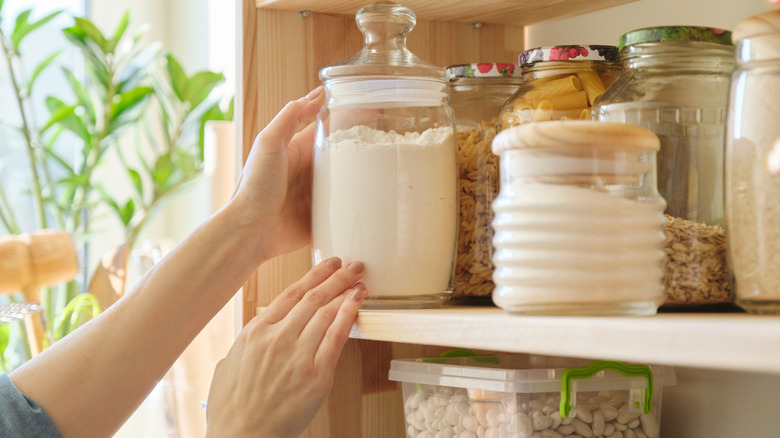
[{"x": 282, "y": 46}]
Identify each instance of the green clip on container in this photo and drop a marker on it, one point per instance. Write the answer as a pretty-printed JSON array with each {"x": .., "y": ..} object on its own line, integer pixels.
[{"x": 516, "y": 396}]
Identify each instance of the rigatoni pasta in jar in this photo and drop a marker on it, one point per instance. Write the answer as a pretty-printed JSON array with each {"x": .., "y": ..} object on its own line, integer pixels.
[
  {"x": 477, "y": 92},
  {"x": 561, "y": 83}
]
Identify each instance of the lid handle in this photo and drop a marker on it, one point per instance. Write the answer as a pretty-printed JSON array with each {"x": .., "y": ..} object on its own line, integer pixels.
[{"x": 569, "y": 374}]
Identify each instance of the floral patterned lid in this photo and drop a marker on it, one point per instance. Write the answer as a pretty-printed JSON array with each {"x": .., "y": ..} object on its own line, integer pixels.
[
  {"x": 675, "y": 33},
  {"x": 481, "y": 70},
  {"x": 569, "y": 53}
]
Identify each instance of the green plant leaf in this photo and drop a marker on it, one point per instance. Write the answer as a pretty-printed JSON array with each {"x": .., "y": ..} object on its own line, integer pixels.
[
  {"x": 93, "y": 54},
  {"x": 5, "y": 332},
  {"x": 38, "y": 70},
  {"x": 136, "y": 69},
  {"x": 177, "y": 77},
  {"x": 137, "y": 182},
  {"x": 70, "y": 121},
  {"x": 126, "y": 215},
  {"x": 185, "y": 162},
  {"x": 93, "y": 33},
  {"x": 81, "y": 94},
  {"x": 200, "y": 86},
  {"x": 163, "y": 169},
  {"x": 125, "y": 101},
  {"x": 59, "y": 160},
  {"x": 57, "y": 115},
  {"x": 24, "y": 27},
  {"x": 119, "y": 32},
  {"x": 78, "y": 179}
]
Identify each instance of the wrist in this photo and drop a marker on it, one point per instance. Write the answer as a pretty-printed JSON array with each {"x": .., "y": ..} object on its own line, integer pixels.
[{"x": 248, "y": 233}]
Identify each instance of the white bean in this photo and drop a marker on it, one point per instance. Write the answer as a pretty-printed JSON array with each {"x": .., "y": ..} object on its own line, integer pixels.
[
  {"x": 633, "y": 423},
  {"x": 639, "y": 433},
  {"x": 582, "y": 429},
  {"x": 609, "y": 429},
  {"x": 551, "y": 434},
  {"x": 598, "y": 423},
  {"x": 556, "y": 420},
  {"x": 541, "y": 421},
  {"x": 617, "y": 434},
  {"x": 609, "y": 412},
  {"x": 566, "y": 429},
  {"x": 650, "y": 425},
  {"x": 467, "y": 434},
  {"x": 583, "y": 413},
  {"x": 524, "y": 425},
  {"x": 624, "y": 415},
  {"x": 469, "y": 422},
  {"x": 629, "y": 434}
]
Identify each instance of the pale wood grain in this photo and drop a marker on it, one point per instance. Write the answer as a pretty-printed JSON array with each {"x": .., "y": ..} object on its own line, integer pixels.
[
  {"x": 515, "y": 12},
  {"x": 736, "y": 341}
]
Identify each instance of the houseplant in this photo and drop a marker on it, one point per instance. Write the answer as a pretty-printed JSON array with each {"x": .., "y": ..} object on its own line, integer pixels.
[{"x": 130, "y": 89}]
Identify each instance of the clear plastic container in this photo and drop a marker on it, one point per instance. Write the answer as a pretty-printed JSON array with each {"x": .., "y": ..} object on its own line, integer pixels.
[
  {"x": 753, "y": 165},
  {"x": 675, "y": 83},
  {"x": 477, "y": 91},
  {"x": 560, "y": 83},
  {"x": 578, "y": 220},
  {"x": 385, "y": 166},
  {"x": 519, "y": 396}
]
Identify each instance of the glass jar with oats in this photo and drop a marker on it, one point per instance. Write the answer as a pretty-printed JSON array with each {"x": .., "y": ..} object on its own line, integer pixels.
[
  {"x": 477, "y": 93},
  {"x": 561, "y": 83},
  {"x": 675, "y": 83}
]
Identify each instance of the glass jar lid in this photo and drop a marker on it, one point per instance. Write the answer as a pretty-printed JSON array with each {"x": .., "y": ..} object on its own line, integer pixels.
[
  {"x": 568, "y": 53},
  {"x": 481, "y": 70},
  {"x": 384, "y": 25},
  {"x": 675, "y": 33}
]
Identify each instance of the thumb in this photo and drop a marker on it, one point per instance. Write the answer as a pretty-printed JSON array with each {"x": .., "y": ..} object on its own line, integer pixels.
[{"x": 279, "y": 132}]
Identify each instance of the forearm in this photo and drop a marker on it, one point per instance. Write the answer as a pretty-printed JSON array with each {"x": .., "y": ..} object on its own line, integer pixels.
[{"x": 92, "y": 380}]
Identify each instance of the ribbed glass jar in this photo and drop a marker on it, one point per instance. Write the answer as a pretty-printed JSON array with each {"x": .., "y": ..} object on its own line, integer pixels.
[
  {"x": 477, "y": 93},
  {"x": 675, "y": 83},
  {"x": 579, "y": 223}
]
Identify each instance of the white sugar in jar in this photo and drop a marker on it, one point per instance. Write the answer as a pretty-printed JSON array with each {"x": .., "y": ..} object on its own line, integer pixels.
[{"x": 578, "y": 220}]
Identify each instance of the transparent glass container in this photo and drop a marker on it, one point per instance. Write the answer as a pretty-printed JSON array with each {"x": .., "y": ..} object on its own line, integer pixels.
[
  {"x": 477, "y": 91},
  {"x": 578, "y": 220},
  {"x": 560, "y": 83},
  {"x": 675, "y": 83},
  {"x": 385, "y": 177},
  {"x": 753, "y": 165}
]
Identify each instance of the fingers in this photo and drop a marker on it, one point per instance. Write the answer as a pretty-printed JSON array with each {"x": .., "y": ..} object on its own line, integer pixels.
[
  {"x": 280, "y": 131},
  {"x": 332, "y": 342},
  {"x": 282, "y": 305},
  {"x": 313, "y": 333},
  {"x": 321, "y": 295}
]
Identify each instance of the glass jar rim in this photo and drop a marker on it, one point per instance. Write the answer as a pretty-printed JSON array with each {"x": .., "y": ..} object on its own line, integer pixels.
[
  {"x": 575, "y": 52},
  {"x": 661, "y": 34}
]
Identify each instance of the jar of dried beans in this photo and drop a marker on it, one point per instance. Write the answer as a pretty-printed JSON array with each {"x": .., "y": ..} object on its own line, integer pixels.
[
  {"x": 560, "y": 83},
  {"x": 477, "y": 92},
  {"x": 675, "y": 83},
  {"x": 753, "y": 165}
]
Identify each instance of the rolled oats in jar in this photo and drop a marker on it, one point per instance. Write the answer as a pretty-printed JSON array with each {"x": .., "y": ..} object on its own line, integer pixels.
[{"x": 477, "y": 92}]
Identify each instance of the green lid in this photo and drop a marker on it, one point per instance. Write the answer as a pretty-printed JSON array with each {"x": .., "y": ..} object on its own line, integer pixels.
[{"x": 675, "y": 33}]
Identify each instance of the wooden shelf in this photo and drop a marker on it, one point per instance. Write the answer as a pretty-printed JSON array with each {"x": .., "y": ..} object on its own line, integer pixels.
[
  {"x": 733, "y": 341},
  {"x": 514, "y": 12}
]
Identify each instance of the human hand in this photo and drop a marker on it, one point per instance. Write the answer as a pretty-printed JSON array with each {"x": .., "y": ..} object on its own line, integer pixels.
[
  {"x": 274, "y": 190},
  {"x": 280, "y": 369}
]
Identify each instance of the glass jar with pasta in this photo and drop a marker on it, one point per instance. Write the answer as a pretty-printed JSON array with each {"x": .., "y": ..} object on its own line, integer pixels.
[
  {"x": 477, "y": 92},
  {"x": 561, "y": 83}
]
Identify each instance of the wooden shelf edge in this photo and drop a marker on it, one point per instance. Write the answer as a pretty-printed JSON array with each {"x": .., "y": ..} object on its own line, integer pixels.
[
  {"x": 738, "y": 342},
  {"x": 516, "y": 13}
]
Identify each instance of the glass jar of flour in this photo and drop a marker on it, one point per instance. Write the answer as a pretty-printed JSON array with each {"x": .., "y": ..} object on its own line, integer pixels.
[
  {"x": 385, "y": 180},
  {"x": 578, "y": 220}
]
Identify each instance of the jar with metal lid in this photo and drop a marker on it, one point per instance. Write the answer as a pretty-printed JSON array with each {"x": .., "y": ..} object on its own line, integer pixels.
[
  {"x": 477, "y": 92},
  {"x": 578, "y": 220},
  {"x": 675, "y": 83},
  {"x": 560, "y": 83},
  {"x": 385, "y": 180},
  {"x": 753, "y": 165}
]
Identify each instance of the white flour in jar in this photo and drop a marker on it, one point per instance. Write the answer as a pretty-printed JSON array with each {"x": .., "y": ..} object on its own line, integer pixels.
[
  {"x": 390, "y": 201},
  {"x": 561, "y": 246}
]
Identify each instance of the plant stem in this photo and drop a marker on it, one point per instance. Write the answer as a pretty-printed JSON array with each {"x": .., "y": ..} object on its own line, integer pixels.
[
  {"x": 8, "y": 220},
  {"x": 27, "y": 135}
]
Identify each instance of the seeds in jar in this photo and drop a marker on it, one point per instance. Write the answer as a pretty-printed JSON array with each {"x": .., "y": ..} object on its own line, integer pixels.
[
  {"x": 444, "y": 411},
  {"x": 478, "y": 188},
  {"x": 696, "y": 266}
]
